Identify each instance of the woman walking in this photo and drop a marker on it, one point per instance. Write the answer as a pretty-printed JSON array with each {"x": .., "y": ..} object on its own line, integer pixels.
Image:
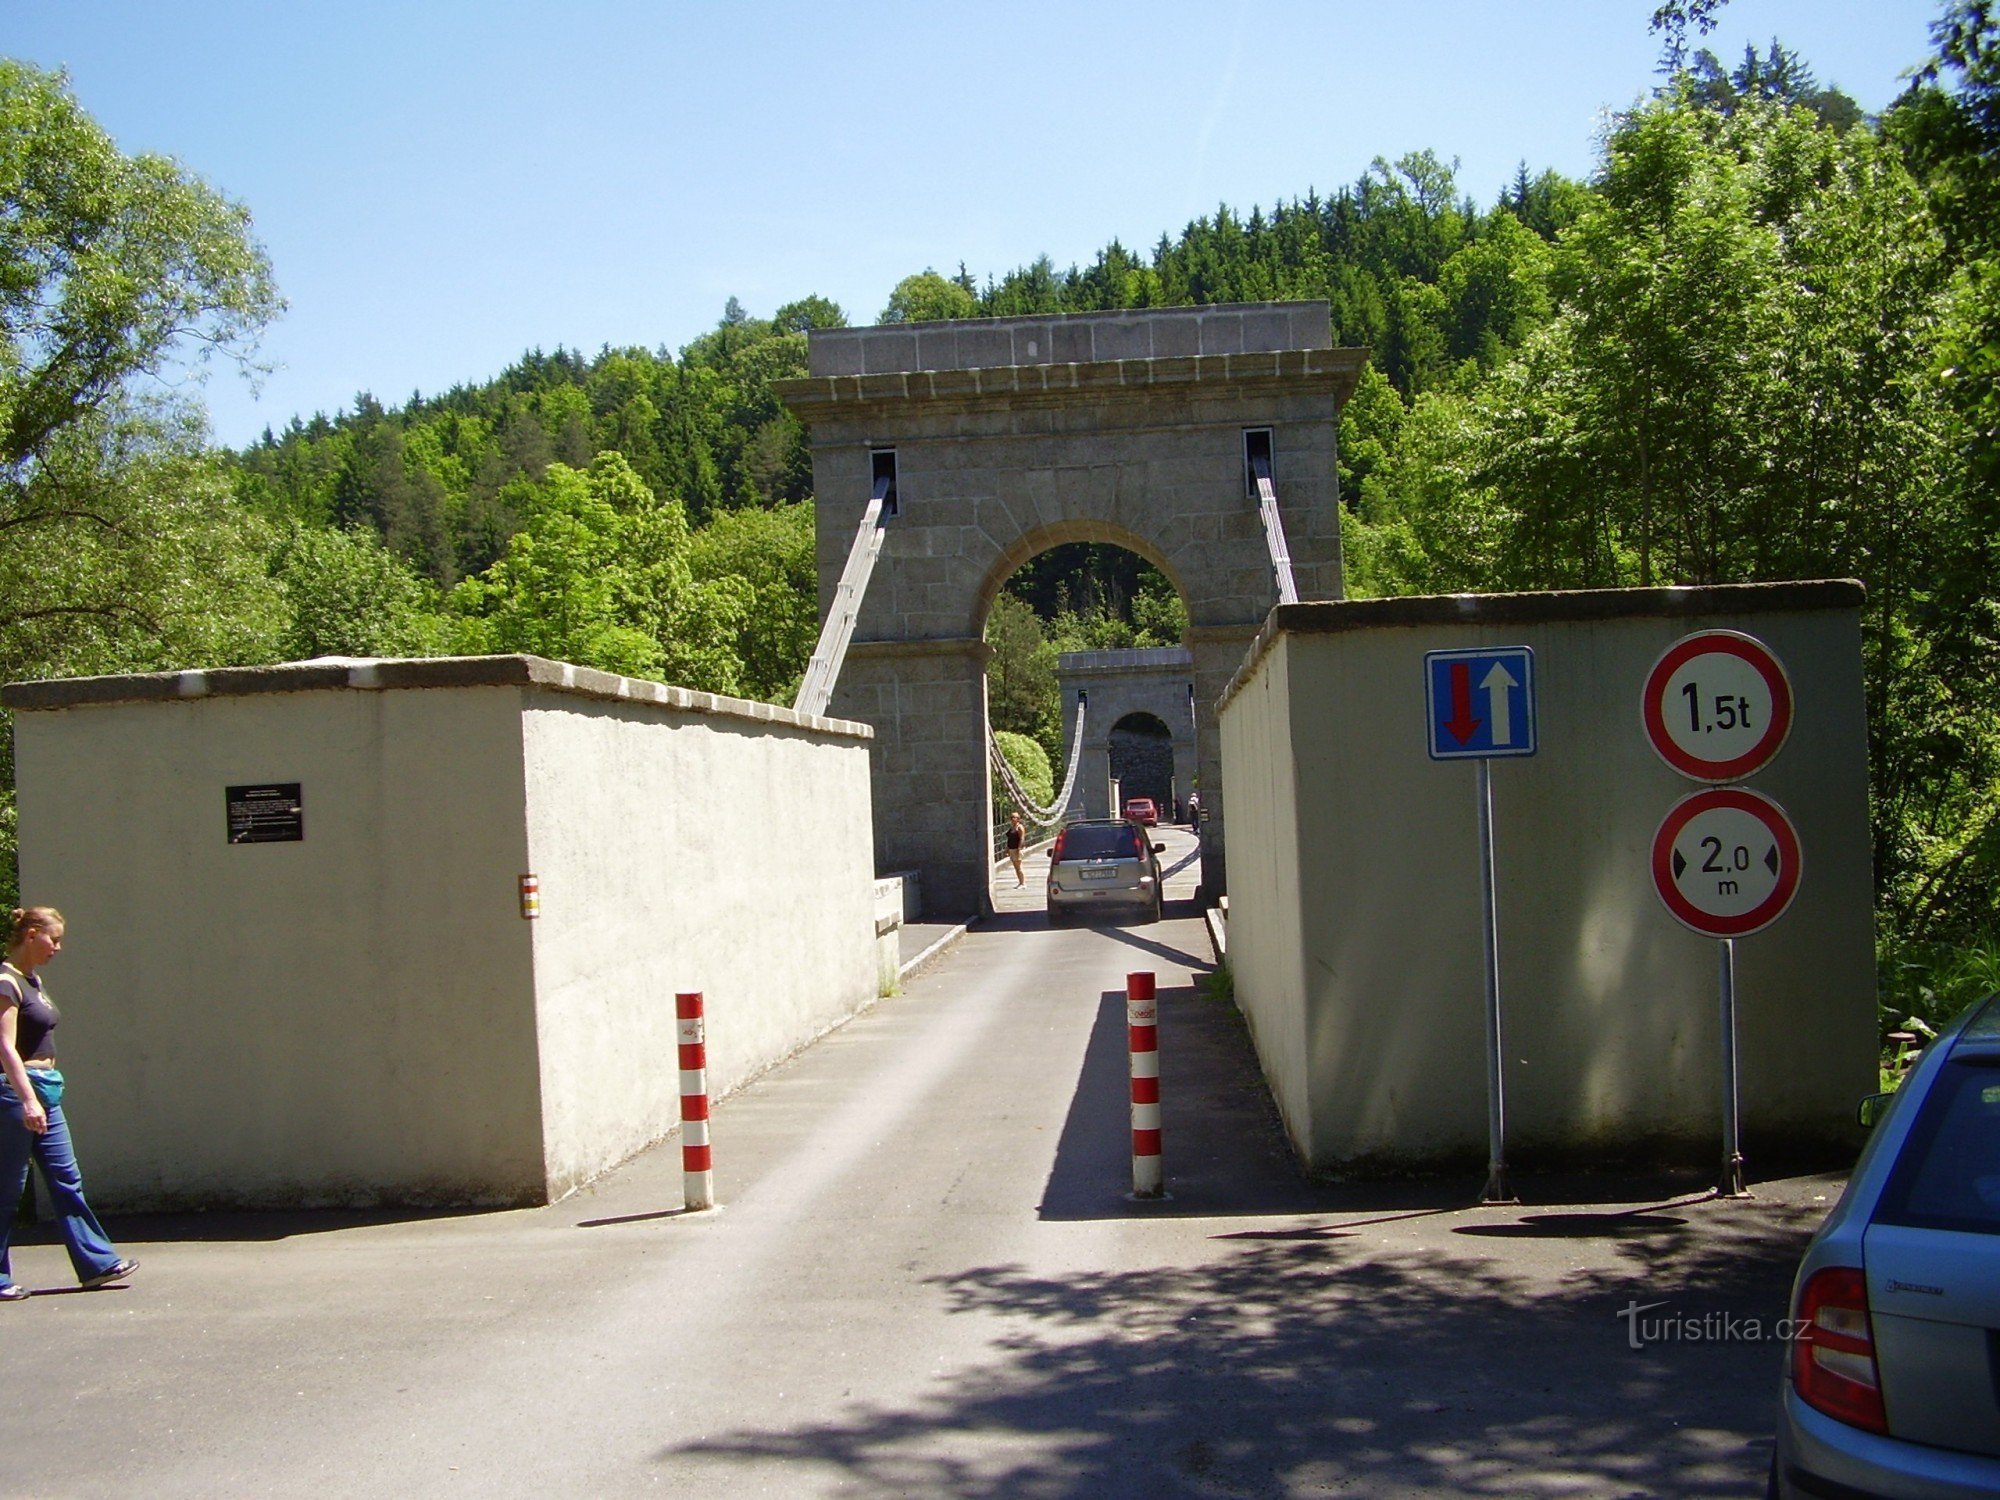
[{"x": 31, "y": 1117}]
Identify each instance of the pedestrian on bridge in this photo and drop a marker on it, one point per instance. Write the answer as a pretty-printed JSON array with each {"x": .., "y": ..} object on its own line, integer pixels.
[
  {"x": 31, "y": 1116},
  {"x": 1017, "y": 838}
]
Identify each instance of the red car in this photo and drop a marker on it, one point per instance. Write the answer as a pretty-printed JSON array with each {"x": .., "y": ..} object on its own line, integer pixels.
[{"x": 1141, "y": 810}]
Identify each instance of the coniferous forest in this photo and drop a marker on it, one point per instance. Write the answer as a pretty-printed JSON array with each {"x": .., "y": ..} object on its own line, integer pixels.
[{"x": 1760, "y": 343}]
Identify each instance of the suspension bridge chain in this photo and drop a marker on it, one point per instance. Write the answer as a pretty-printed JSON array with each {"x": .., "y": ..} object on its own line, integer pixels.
[{"x": 1034, "y": 812}]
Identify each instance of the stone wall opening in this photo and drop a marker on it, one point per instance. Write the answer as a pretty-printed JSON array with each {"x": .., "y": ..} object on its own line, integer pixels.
[
  {"x": 1141, "y": 762},
  {"x": 1093, "y": 599}
]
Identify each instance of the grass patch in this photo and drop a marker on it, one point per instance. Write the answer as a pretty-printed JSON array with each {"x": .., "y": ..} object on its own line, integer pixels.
[{"x": 1218, "y": 983}]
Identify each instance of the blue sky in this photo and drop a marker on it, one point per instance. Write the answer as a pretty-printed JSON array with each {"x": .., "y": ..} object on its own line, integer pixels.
[{"x": 443, "y": 184}]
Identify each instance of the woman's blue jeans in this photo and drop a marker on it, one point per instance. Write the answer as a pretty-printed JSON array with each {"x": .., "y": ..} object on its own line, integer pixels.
[{"x": 90, "y": 1249}]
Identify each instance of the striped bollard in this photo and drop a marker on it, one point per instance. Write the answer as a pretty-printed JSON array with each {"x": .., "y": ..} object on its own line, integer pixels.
[
  {"x": 697, "y": 1172},
  {"x": 1142, "y": 1036}
]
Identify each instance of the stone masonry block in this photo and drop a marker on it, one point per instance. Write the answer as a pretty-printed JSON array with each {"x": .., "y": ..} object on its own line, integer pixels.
[
  {"x": 1070, "y": 343},
  {"x": 983, "y": 348},
  {"x": 834, "y": 352},
  {"x": 885, "y": 349},
  {"x": 1087, "y": 490},
  {"x": 1175, "y": 337},
  {"x": 1222, "y": 333},
  {"x": 1032, "y": 344},
  {"x": 1270, "y": 329},
  {"x": 937, "y": 346},
  {"x": 1123, "y": 338},
  {"x": 1312, "y": 325}
]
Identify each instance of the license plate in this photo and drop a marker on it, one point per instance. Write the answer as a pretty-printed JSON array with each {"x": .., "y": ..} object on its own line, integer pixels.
[{"x": 1100, "y": 874}]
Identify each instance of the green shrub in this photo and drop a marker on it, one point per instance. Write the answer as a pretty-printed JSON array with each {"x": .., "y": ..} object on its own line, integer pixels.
[{"x": 1031, "y": 769}]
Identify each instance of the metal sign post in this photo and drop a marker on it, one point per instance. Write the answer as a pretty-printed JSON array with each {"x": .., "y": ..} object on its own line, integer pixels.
[
  {"x": 1726, "y": 863},
  {"x": 1495, "y": 1190},
  {"x": 1482, "y": 706},
  {"x": 1717, "y": 706},
  {"x": 1731, "y": 1183}
]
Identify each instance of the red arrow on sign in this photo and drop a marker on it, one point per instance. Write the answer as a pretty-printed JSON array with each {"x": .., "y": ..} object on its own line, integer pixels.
[{"x": 1461, "y": 724}]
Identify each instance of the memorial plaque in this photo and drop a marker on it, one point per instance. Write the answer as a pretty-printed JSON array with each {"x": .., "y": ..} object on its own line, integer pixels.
[{"x": 273, "y": 813}]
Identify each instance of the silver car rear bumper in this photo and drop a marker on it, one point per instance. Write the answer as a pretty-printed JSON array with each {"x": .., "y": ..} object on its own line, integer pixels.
[{"x": 1828, "y": 1460}]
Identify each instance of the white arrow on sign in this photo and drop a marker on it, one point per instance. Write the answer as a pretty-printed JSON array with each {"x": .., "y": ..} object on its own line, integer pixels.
[{"x": 1496, "y": 683}]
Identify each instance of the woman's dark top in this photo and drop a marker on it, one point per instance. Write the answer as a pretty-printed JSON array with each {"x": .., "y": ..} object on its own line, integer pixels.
[
  {"x": 1013, "y": 837},
  {"x": 38, "y": 1014}
]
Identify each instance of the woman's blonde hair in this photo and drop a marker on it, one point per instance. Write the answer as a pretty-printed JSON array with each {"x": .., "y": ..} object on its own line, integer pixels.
[{"x": 27, "y": 919}]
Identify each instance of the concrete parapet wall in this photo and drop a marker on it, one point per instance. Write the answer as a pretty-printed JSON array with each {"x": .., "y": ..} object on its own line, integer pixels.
[
  {"x": 1072, "y": 338},
  {"x": 362, "y": 1015},
  {"x": 1355, "y": 930}
]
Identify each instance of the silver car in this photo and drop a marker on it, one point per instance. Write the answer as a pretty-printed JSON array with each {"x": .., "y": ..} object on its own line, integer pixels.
[
  {"x": 1104, "y": 864},
  {"x": 1894, "y": 1381}
]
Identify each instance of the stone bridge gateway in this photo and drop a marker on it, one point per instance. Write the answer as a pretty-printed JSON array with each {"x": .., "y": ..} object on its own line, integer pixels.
[
  {"x": 1006, "y": 437},
  {"x": 1126, "y": 687}
]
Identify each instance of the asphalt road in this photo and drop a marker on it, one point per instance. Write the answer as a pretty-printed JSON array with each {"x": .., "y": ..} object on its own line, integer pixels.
[{"x": 926, "y": 1279}]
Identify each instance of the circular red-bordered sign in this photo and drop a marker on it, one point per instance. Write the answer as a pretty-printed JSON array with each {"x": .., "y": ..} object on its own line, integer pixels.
[
  {"x": 1726, "y": 861},
  {"x": 1717, "y": 705}
]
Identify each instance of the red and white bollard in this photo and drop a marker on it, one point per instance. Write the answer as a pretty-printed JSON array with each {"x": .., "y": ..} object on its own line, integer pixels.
[
  {"x": 697, "y": 1172},
  {"x": 1142, "y": 1037}
]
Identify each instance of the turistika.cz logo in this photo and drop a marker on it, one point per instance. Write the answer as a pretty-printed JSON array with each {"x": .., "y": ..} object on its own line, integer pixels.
[{"x": 1644, "y": 1325}]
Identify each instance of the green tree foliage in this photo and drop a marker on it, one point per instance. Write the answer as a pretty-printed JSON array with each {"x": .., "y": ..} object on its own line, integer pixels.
[
  {"x": 347, "y": 595},
  {"x": 771, "y": 553},
  {"x": 1030, "y": 765},
  {"x": 1738, "y": 384},
  {"x": 928, "y": 298},
  {"x": 600, "y": 575},
  {"x": 119, "y": 547},
  {"x": 1778, "y": 77},
  {"x": 436, "y": 479},
  {"x": 1021, "y": 695}
]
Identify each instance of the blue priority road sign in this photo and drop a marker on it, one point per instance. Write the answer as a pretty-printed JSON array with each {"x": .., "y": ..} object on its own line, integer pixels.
[{"x": 1481, "y": 703}]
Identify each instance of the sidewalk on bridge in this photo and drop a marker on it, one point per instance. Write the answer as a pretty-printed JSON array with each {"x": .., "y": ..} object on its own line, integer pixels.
[{"x": 920, "y": 942}]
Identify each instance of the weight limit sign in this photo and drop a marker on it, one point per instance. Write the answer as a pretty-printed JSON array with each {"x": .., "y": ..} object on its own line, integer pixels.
[
  {"x": 1726, "y": 861},
  {"x": 1717, "y": 705}
]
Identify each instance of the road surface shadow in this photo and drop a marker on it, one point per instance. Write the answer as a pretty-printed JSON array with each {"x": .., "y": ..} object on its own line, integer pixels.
[
  {"x": 1223, "y": 1149},
  {"x": 1359, "y": 1366},
  {"x": 245, "y": 1226}
]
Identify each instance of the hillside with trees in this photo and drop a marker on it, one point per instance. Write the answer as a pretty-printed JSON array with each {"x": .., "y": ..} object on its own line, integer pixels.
[{"x": 1761, "y": 343}]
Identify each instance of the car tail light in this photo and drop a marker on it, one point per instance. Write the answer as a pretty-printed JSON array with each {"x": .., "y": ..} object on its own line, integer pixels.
[
  {"x": 1055, "y": 854},
  {"x": 1833, "y": 1350}
]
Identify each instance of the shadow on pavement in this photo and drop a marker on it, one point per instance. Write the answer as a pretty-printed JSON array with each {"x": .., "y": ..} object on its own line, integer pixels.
[
  {"x": 1354, "y": 1366},
  {"x": 1223, "y": 1150},
  {"x": 247, "y": 1226},
  {"x": 1135, "y": 936}
]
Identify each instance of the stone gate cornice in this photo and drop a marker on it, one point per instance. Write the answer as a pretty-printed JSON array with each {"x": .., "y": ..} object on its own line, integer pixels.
[{"x": 1333, "y": 372}]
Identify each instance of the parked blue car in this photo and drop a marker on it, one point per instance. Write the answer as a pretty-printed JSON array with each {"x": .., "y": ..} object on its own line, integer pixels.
[{"x": 1894, "y": 1382}]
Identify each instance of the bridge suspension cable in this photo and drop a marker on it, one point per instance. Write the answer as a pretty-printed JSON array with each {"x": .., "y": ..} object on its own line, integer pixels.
[
  {"x": 1274, "y": 525},
  {"x": 1034, "y": 812},
  {"x": 816, "y": 691}
]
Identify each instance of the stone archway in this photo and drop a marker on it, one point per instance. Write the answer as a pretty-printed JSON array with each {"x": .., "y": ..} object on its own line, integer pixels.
[
  {"x": 1153, "y": 684},
  {"x": 1013, "y": 435}
]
